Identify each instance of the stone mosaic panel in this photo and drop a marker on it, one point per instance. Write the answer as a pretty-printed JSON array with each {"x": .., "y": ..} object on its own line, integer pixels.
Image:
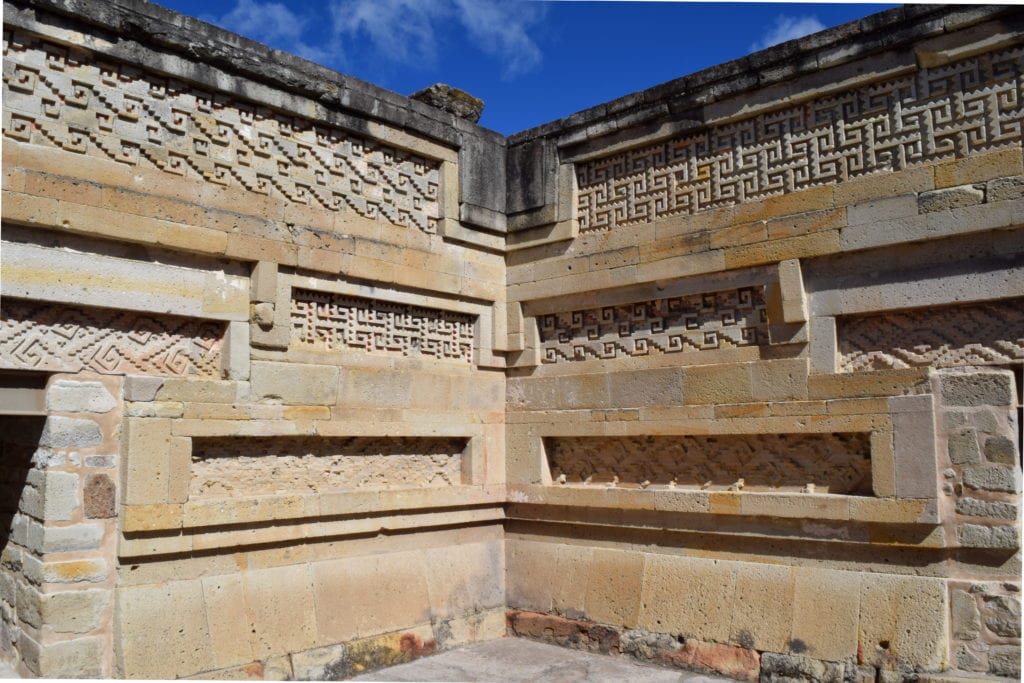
[
  {"x": 75, "y": 101},
  {"x": 944, "y": 336},
  {"x": 335, "y": 322},
  {"x": 833, "y": 463},
  {"x": 232, "y": 466},
  {"x": 55, "y": 337},
  {"x": 934, "y": 114},
  {"x": 697, "y": 322}
]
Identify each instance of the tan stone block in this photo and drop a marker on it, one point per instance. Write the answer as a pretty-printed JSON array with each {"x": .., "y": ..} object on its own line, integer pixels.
[
  {"x": 649, "y": 252},
  {"x": 780, "y": 380},
  {"x": 979, "y": 167},
  {"x": 688, "y": 596},
  {"x": 364, "y": 596},
  {"x": 227, "y": 615},
  {"x": 790, "y": 408},
  {"x": 200, "y": 390},
  {"x": 762, "y": 606},
  {"x": 613, "y": 587},
  {"x": 743, "y": 410},
  {"x": 862, "y": 384},
  {"x": 804, "y": 246},
  {"x": 179, "y": 469},
  {"x": 571, "y": 587},
  {"x": 724, "y": 503},
  {"x": 162, "y": 630},
  {"x": 718, "y": 384},
  {"x": 812, "y": 199},
  {"x": 465, "y": 579},
  {"x": 150, "y": 517},
  {"x": 27, "y": 209},
  {"x": 64, "y": 188},
  {"x": 805, "y": 223},
  {"x": 903, "y": 618},
  {"x": 868, "y": 187},
  {"x": 682, "y": 501},
  {"x": 735, "y": 235},
  {"x": 282, "y": 610},
  {"x": 797, "y": 505},
  {"x": 247, "y": 248},
  {"x": 531, "y": 574},
  {"x": 826, "y": 608},
  {"x": 146, "y": 453},
  {"x": 294, "y": 384}
]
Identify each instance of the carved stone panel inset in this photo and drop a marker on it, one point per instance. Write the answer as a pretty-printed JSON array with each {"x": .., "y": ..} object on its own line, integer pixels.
[
  {"x": 833, "y": 463},
  {"x": 70, "y": 99},
  {"x": 697, "y": 322},
  {"x": 55, "y": 337},
  {"x": 944, "y": 336},
  {"x": 223, "y": 467},
  {"x": 937, "y": 113},
  {"x": 332, "y": 322}
]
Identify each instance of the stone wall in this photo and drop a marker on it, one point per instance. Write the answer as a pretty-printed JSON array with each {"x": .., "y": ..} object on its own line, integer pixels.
[{"x": 723, "y": 375}]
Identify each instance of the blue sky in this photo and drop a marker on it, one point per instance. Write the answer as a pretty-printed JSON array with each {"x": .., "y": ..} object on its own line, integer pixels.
[{"x": 531, "y": 62}]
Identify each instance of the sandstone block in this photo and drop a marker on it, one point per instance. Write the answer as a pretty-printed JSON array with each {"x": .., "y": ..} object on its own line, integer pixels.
[
  {"x": 717, "y": 384},
  {"x": 141, "y": 387},
  {"x": 762, "y": 607},
  {"x": 613, "y": 587},
  {"x": 67, "y": 396},
  {"x": 70, "y": 432},
  {"x": 826, "y": 608},
  {"x": 61, "y": 539},
  {"x": 69, "y": 571},
  {"x": 228, "y": 618},
  {"x": 294, "y": 384},
  {"x": 78, "y": 658},
  {"x": 74, "y": 611},
  {"x": 972, "y": 507},
  {"x": 692, "y": 597},
  {"x": 903, "y": 619},
  {"x": 50, "y": 496},
  {"x": 1005, "y": 189},
  {"x": 236, "y": 351},
  {"x": 963, "y": 447},
  {"x": 147, "y": 443},
  {"x": 465, "y": 580},
  {"x": 164, "y": 633}
]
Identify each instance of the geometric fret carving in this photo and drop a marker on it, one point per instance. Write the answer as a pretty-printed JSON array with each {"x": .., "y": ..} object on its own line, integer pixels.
[
  {"x": 946, "y": 336},
  {"x": 229, "y": 466},
  {"x": 332, "y": 322},
  {"x": 68, "y": 98},
  {"x": 56, "y": 337},
  {"x": 936, "y": 113},
  {"x": 833, "y": 463},
  {"x": 696, "y": 322}
]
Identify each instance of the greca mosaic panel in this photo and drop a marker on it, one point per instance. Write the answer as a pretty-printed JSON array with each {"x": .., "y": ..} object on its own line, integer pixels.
[
  {"x": 698, "y": 322},
  {"x": 939, "y": 113},
  {"x": 294, "y": 464},
  {"x": 833, "y": 463},
  {"x": 945, "y": 336},
  {"x": 55, "y": 337},
  {"x": 68, "y": 98},
  {"x": 333, "y": 322}
]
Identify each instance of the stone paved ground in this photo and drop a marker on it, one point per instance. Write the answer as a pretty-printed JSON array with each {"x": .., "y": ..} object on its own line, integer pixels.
[{"x": 514, "y": 660}]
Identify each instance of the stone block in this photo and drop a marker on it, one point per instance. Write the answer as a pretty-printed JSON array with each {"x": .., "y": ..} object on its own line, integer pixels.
[
  {"x": 762, "y": 607},
  {"x": 229, "y": 621},
  {"x": 736, "y": 663},
  {"x": 950, "y": 198},
  {"x": 163, "y": 630},
  {"x": 68, "y": 571},
  {"x": 464, "y": 580},
  {"x": 67, "y": 396},
  {"x": 146, "y": 445},
  {"x": 903, "y": 619},
  {"x": 282, "y": 612},
  {"x": 784, "y": 668},
  {"x": 74, "y": 611},
  {"x": 78, "y": 658},
  {"x": 636, "y": 389},
  {"x": 294, "y": 384},
  {"x": 235, "y": 351},
  {"x": 100, "y": 496},
  {"x": 62, "y": 539},
  {"x": 717, "y": 384},
  {"x": 979, "y": 536},
  {"x": 571, "y": 587},
  {"x": 50, "y": 496},
  {"x": 1001, "y": 449},
  {"x": 916, "y": 467},
  {"x": 966, "y": 619},
  {"x": 826, "y": 609},
  {"x": 963, "y": 447},
  {"x": 992, "y": 478},
  {"x": 688, "y": 596},
  {"x": 613, "y": 587},
  {"x": 141, "y": 387},
  {"x": 1002, "y": 615},
  {"x": 972, "y": 507},
  {"x": 70, "y": 432},
  {"x": 994, "y": 388},
  {"x": 1004, "y": 660},
  {"x": 1004, "y": 189}
]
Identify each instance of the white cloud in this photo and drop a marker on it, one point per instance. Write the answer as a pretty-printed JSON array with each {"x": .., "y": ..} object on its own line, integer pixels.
[
  {"x": 272, "y": 23},
  {"x": 500, "y": 29},
  {"x": 788, "y": 28}
]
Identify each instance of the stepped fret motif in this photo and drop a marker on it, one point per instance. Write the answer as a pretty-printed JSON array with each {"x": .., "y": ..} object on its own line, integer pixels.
[
  {"x": 945, "y": 112},
  {"x": 53, "y": 337},
  {"x": 334, "y": 322},
  {"x": 834, "y": 463},
  {"x": 264, "y": 465},
  {"x": 698, "y": 322},
  {"x": 67, "y": 98},
  {"x": 979, "y": 334}
]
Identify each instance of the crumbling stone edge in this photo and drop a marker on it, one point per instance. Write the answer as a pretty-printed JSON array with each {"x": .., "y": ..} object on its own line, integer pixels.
[{"x": 737, "y": 662}]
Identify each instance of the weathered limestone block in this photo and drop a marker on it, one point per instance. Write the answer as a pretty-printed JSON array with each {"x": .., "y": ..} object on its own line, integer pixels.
[
  {"x": 70, "y": 432},
  {"x": 67, "y": 396},
  {"x": 978, "y": 389},
  {"x": 966, "y": 617},
  {"x": 50, "y": 496},
  {"x": 979, "y": 536},
  {"x": 992, "y": 478},
  {"x": 973, "y": 507},
  {"x": 294, "y": 384},
  {"x": 950, "y": 198},
  {"x": 1004, "y": 660}
]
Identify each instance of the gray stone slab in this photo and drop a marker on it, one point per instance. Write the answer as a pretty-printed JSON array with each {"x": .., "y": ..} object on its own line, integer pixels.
[{"x": 518, "y": 660}]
